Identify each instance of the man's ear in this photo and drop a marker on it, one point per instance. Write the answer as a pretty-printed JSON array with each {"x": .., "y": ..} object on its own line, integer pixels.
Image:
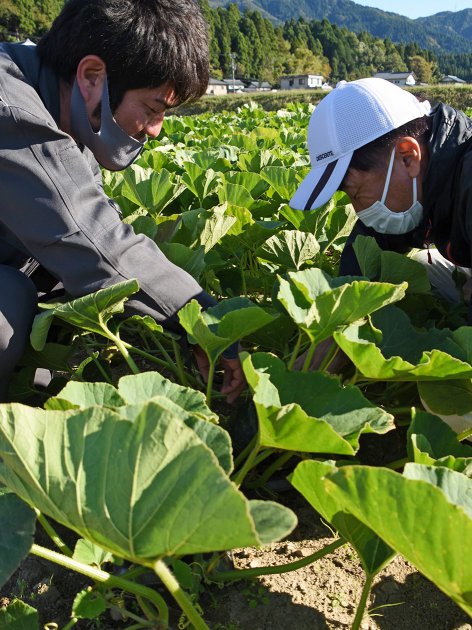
[
  {"x": 90, "y": 75},
  {"x": 409, "y": 150}
]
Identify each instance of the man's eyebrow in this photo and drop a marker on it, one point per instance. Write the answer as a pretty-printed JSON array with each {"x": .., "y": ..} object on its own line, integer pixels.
[{"x": 162, "y": 101}]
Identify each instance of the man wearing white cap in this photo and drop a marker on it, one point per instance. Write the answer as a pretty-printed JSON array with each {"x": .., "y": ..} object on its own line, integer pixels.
[{"x": 407, "y": 169}]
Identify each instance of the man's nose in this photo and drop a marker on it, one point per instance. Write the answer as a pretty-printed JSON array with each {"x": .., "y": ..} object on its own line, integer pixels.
[{"x": 154, "y": 126}]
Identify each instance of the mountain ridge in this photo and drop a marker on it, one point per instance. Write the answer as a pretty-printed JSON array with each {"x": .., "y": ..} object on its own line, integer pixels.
[{"x": 446, "y": 31}]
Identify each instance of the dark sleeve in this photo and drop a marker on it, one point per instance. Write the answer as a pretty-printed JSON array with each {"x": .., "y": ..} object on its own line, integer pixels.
[{"x": 54, "y": 210}]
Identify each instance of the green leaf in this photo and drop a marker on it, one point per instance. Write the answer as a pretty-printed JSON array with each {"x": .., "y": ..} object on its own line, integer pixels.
[
  {"x": 190, "y": 260},
  {"x": 415, "y": 518},
  {"x": 83, "y": 395},
  {"x": 449, "y": 397},
  {"x": 54, "y": 356},
  {"x": 319, "y": 304},
  {"x": 308, "y": 480},
  {"x": 91, "y": 312},
  {"x": 17, "y": 523},
  {"x": 309, "y": 412},
  {"x": 283, "y": 180},
  {"x": 19, "y": 616},
  {"x": 216, "y": 226},
  {"x": 270, "y": 522},
  {"x": 88, "y": 553},
  {"x": 392, "y": 349},
  {"x": 433, "y": 442},
  {"x": 236, "y": 195},
  {"x": 218, "y": 327},
  {"x": 88, "y": 605},
  {"x": 128, "y": 487},
  {"x": 140, "y": 388},
  {"x": 386, "y": 266},
  {"x": 289, "y": 249},
  {"x": 150, "y": 189}
]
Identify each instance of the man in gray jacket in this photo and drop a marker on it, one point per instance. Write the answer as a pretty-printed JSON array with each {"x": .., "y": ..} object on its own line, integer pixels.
[{"x": 96, "y": 86}]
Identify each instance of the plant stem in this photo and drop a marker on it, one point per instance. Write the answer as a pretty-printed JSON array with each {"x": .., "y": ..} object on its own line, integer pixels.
[
  {"x": 245, "y": 453},
  {"x": 329, "y": 356},
  {"x": 295, "y": 352},
  {"x": 105, "y": 578},
  {"x": 184, "y": 601},
  {"x": 53, "y": 535},
  {"x": 126, "y": 613},
  {"x": 362, "y": 602},
  {"x": 71, "y": 623},
  {"x": 150, "y": 357},
  {"x": 398, "y": 463},
  {"x": 249, "y": 463},
  {"x": 309, "y": 357},
  {"x": 123, "y": 348},
  {"x": 245, "y": 574},
  {"x": 179, "y": 363},
  {"x": 99, "y": 367},
  {"x": 211, "y": 375},
  {"x": 399, "y": 411},
  {"x": 270, "y": 470},
  {"x": 465, "y": 434}
]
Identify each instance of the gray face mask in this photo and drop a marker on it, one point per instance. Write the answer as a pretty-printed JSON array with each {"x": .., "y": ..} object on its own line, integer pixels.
[{"x": 111, "y": 146}]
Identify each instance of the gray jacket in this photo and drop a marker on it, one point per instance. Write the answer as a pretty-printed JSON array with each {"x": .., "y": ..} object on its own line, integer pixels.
[{"x": 53, "y": 208}]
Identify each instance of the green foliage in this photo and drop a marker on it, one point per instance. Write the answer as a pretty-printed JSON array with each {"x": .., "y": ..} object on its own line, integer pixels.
[{"x": 17, "y": 522}]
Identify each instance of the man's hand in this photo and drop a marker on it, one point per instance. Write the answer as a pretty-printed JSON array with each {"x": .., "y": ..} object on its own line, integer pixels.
[{"x": 234, "y": 380}]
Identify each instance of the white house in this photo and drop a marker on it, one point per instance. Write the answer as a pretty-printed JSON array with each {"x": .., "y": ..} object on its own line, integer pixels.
[
  {"x": 235, "y": 87},
  {"x": 301, "y": 82},
  {"x": 216, "y": 87},
  {"x": 398, "y": 78}
]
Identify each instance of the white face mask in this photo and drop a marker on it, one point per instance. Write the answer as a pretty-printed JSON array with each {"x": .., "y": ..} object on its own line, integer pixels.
[{"x": 383, "y": 220}]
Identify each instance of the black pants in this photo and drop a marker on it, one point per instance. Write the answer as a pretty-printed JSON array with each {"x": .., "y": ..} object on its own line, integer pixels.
[{"x": 18, "y": 302}]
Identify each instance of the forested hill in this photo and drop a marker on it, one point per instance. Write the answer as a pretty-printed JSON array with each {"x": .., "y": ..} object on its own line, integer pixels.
[
  {"x": 444, "y": 32},
  {"x": 265, "y": 51}
]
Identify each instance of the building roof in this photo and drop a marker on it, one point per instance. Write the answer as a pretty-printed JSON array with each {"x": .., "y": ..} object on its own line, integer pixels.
[
  {"x": 453, "y": 78},
  {"x": 300, "y": 76},
  {"x": 393, "y": 75},
  {"x": 237, "y": 82},
  {"x": 213, "y": 81}
]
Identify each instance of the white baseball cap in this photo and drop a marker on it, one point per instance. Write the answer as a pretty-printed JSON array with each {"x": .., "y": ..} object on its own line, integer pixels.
[{"x": 352, "y": 115}]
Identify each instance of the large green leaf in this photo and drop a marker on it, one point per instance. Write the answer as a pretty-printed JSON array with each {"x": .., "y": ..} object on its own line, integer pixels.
[
  {"x": 17, "y": 522},
  {"x": 141, "y": 490},
  {"x": 289, "y": 249},
  {"x": 308, "y": 480},
  {"x": 319, "y": 304},
  {"x": 426, "y": 523},
  {"x": 386, "y": 266},
  {"x": 283, "y": 180},
  {"x": 19, "y": 616},
  {"x": 433, "y": 442},
  {"x": 309, "y": 412},
  {"x": 222, "y": 325},
  {"x": 390, "y": 348},
  {"x": 91, "y": 312},
  {"x": 135, "y": 390},
  {"x": 150, "y": 189}
]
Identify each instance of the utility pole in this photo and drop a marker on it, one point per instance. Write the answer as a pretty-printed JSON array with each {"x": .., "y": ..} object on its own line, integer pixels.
[{"x": 233, "y": 69}]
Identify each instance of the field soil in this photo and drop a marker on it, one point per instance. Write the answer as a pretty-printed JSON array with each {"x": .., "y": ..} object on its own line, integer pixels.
[{"x": 321, "y": 596}]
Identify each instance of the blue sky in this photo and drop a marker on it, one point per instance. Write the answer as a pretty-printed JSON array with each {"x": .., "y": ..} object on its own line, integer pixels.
[{"x": 418, "y": 8}]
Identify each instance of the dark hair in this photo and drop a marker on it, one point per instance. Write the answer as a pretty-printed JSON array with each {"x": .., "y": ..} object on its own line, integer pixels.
[
  {"x": 371, "y": 155},
  {"x": 144, "y": 44}
]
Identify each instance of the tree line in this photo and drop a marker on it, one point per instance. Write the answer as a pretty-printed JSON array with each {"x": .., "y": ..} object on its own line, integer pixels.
[{"x": 263, "y": 51}]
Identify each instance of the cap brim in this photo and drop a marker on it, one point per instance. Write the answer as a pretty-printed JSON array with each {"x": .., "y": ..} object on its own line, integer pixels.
[{"x": 320, "y": 184}]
